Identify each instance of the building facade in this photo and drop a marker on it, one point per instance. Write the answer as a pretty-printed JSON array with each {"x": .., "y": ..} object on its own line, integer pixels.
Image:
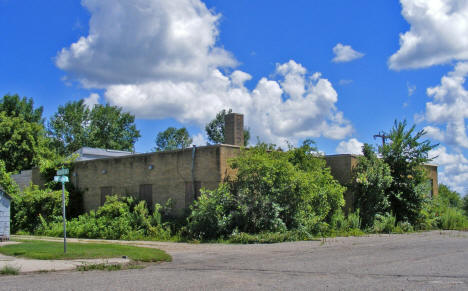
[
  {"x": 342, "y": 166},
  {"x": 177, "y": 175}
]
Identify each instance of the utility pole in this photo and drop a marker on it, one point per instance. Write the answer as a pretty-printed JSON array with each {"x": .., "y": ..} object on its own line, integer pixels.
[{"x": 381, "y": 135}]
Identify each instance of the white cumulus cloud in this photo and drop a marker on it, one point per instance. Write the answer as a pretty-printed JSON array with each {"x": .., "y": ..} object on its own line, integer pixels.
[
  {"x": 453, "y": 169},
  {"x": 449, "y": 108},
  {"x": 437, "y": 35},
  {"x": 200, "y": 139},
  {"x": 141, "y": 40},
  {"x": 352, "y": 146},
  {"x": 345, "y": 53},
  {"x": 159, "y": 59},
  {"x": 91, "y": 100}
]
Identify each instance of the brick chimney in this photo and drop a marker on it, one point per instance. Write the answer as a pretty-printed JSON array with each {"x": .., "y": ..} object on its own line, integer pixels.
[{"x": 234, "y": 129}]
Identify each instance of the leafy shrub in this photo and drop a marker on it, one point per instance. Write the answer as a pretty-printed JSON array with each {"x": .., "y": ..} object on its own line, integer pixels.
[
  {"x": 213, "y": 214},
  {"x": 339, "y": 222},
  {"x": 406, "y": 155},
  {"x": 273, "y": 191},
  {"x": 449, "y": 197},
  {"x": 465, "y": 204},
  {"x": 354, "y": 220},
  {"x": 452, "y": 218},
  {"x": 33, "y": 206},
  {"x": 384, "y": 223},
  {"x": 404, "y": 226},
  {"x": 118, "y": 218},
  {"x": 437, "y": 213},
  {"x": 370, "y": 183}
]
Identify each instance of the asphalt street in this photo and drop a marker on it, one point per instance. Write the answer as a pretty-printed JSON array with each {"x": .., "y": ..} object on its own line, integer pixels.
[{"x": 420, "y": 261}]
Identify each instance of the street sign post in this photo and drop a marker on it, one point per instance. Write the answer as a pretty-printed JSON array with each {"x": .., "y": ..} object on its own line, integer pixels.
[{"x": 63, "y": 178}]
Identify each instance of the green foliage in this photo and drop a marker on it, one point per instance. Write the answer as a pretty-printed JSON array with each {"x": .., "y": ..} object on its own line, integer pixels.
[
  {"x": 449, "y": 197},
  {"x": 6, "y": 182},
  {"x": 403, "y": 227},
  {"x": 48, "y": 169},
  {"x": 118, "y": 218},
  {"x": 370, "y": 183},
  {"x": 465, "y": 204},
  {"x": 173, "y": 139},
  {"x": 273, "y": 191},
  {"x": 22, "y": 144},
  {"x": 453, "y": 218},
  {"x": 110, "y": 128},
  {"x": 213, "y": 214},
  {"x": 68, "y": 127},
  {"x": 14, "y": 106},
  {"x": 75, "y": 125},
  {"x": 35, "y": 206},
  {"x": 384, "y": 223},
  {"x": 437, "y": 213},
  {"x": 215, "y": 129},
  {"x": 341, "y": 224},
  {"x": 405, "y": 154}
]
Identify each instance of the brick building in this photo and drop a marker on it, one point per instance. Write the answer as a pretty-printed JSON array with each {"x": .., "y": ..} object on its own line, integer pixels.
[{"x": 179, "y": 175}]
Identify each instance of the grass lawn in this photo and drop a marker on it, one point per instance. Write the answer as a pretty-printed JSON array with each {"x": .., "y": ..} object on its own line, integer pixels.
[{"x": 46, "y": 250}]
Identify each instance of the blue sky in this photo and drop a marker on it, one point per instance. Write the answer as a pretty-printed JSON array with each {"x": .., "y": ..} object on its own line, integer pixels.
[{"x": 335, "y": 71}]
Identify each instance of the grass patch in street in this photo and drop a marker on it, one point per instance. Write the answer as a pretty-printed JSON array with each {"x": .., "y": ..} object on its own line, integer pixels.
[
  {"x": 108, "y": 267},
  {"x": 103, "y": 266},
  {"x": 9, "y": 270},
  {"x": 47, "y": 250}
]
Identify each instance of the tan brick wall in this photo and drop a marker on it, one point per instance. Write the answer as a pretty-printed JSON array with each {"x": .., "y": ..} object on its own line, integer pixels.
[
  {"x": 341, "y": 167},
  {"x": 234, "y": 129},
  {"x": 227, "y": 153},
  {"x": 432, "y": 175},
  {"x": 171, "y": 170}
]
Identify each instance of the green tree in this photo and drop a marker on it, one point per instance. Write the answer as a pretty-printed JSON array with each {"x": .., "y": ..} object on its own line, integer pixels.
[
  {"x": 272, "y": 191},
  {"x": 370, "y": 183},
  {"x": 465, "y": 204},
  {"x": 173, "y": 139},
  {"x": 14, "y": 106},
  {"x": 449, "y": 197},
  {"x": 68, "y": 127},
  {"x": 406, "y": 154},
  {"x": 22, "y": 144},
  {"x": 111, "y": 128},
  {"x": 6, "y": 182},
  {"x": 215, "y": 129},
  {"x": 75, "y": 125}
]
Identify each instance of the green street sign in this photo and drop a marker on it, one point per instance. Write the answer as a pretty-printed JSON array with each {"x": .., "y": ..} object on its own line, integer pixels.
[
  {"x": 62, "y": 172},
  {"x": 62, "y": 179}
]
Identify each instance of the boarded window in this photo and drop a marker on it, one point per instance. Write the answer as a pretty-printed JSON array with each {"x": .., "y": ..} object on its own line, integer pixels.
[
  {"x": 105, "y": 191},
  {"x": 189, "y": 195},
  {"x": 146, "y": 194}
]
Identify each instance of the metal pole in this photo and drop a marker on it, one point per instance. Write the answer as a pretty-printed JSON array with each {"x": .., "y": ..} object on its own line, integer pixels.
[{"x": 64, "y": 220}]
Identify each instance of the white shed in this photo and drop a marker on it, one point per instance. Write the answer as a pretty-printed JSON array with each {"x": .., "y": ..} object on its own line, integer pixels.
[{"x": 5, "y": 201}]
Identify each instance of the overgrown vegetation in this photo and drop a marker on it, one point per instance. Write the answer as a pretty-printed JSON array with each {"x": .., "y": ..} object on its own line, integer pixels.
[
  {"x": 276, "y": 195},
  {"x": 273, "y": 191},
  {"x": 119, "y": 218}
]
